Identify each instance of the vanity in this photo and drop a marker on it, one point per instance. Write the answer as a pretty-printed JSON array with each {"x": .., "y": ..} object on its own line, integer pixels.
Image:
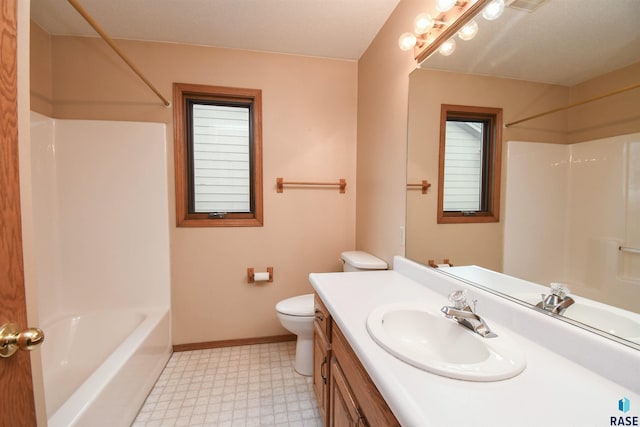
[{"x": 571, "y": 376}]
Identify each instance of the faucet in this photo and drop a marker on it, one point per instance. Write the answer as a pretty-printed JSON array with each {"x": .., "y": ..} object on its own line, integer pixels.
[
  {"x": 557, "y": 301},
  {"x": 465, "y": 316}
]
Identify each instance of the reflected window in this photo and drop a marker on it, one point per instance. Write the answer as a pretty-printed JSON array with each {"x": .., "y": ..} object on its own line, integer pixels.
[{"x": 470, "y": 158}]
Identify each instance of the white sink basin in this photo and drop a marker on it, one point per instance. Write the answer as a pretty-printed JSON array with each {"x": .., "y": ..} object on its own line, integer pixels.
[{"x": 430, "y": 341}]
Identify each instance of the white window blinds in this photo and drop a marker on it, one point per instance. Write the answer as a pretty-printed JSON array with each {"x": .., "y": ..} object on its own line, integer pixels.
[
  {"x": 463, "y": 166},
  {"x": 221, "y": 158}
]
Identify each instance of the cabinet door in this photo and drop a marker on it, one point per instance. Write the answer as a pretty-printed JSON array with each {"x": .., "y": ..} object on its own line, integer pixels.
[
  {"x": 343, "y": 410},
  {"x": 321, "y": 357}
]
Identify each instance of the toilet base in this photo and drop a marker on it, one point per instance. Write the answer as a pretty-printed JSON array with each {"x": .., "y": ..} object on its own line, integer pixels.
[{"x": 304, "y": 356}]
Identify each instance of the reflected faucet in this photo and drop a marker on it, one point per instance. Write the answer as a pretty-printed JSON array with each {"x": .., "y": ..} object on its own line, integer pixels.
[
  {"x": 557, "y": 301},
  {"x": 465, "y": 316}
]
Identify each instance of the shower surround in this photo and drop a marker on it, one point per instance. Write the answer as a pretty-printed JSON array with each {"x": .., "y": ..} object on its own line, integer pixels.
[
  {"x": 568, "y": 209},
  {"x": 101, "y": 228}
]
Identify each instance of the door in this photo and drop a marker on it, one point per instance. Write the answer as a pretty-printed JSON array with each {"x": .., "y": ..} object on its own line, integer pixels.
[{"x": 17, "y": 407}]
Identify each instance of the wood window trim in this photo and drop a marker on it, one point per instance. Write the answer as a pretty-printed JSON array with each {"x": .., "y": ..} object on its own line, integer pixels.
[
  {"x": 494, "y": 157},
  {"x": 184, "y": 218}
]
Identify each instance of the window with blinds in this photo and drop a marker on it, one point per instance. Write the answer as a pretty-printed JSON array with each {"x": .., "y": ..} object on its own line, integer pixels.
[
  {"x": 469, "y": 171},
  {"x": 218, "y": 148},
  {"x": 221, "y": 158},
  {"x": 463, "y": 166}
]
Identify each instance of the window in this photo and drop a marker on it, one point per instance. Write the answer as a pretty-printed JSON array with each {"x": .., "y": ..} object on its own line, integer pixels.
[
  {"x": 218, "y": 156},
  {"x": 470, "y": 159}
]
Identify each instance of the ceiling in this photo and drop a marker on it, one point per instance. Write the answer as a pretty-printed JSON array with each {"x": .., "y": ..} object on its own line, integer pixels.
[
  {"x": 340, "y": 29},
  {"x": 562, "y": 42}
]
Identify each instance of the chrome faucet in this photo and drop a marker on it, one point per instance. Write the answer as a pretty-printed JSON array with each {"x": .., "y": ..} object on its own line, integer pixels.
[
  {"x": 465, "y": 316},
  {"x": 557, "y": 301}
]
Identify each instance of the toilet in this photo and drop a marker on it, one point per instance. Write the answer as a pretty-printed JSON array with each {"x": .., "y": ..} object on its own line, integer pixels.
[{"x": 296, "y": 314}]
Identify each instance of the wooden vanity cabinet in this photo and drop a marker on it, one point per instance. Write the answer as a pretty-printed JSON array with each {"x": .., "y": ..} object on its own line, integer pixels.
[{"x": 345, "y": 393}]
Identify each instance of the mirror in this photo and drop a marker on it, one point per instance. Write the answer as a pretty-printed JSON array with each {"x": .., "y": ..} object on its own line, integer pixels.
[{"x": 570, "y": 180}]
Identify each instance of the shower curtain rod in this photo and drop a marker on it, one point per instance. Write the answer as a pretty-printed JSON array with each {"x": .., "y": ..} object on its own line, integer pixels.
[
  {"x": 113, "y": 46},
  {"x": 575, "y": 104}
]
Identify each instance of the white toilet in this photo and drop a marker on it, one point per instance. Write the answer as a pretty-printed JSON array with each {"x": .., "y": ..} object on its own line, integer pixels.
[{"x": 296, "y": 314}]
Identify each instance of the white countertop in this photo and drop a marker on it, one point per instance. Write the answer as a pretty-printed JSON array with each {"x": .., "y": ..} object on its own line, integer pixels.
[{"x": 552, "y": 390}]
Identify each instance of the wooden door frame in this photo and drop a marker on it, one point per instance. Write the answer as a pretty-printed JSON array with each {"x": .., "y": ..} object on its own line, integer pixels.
[{"x": 17, "y": 404}]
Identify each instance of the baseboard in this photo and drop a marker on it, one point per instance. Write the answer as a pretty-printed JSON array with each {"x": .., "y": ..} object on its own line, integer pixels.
[{"x": 233, "y": 343}]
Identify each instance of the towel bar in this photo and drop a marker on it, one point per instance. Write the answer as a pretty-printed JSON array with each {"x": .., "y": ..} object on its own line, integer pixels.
[
  {"x": 424, "y": 186},
  {"x": 280, "y": 183}
]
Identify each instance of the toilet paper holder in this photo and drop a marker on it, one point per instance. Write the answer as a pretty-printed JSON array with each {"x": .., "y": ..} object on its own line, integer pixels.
[{"x": 253, "y": 277}]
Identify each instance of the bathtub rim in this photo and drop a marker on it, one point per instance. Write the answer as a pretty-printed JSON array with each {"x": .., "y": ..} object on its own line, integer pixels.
[{"x": 80, "y": 400}]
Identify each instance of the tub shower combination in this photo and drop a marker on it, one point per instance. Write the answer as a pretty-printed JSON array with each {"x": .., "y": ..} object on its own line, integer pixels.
[{"x": 102, "y": 264}]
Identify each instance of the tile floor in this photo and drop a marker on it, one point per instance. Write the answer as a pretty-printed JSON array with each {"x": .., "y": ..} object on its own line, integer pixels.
[{"x": 253, "y": 385}]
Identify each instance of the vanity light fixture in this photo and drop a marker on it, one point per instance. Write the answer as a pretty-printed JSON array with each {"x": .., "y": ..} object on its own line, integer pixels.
[
  {"x": 469, "y": 31},
  {"x": 425, "y": 22},
  {"x": 448, "y": 47},
  {"x": 493, "y": 10},
  {"x": 422, "y": 25},
  {"x": 407, "y": 41},
  {"x": 445, "y": 5},
  {"x": 431, "y": 32}
]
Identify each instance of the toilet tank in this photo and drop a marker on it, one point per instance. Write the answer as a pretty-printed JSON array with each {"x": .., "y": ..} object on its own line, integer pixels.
[{"x": 361, "y": 261}]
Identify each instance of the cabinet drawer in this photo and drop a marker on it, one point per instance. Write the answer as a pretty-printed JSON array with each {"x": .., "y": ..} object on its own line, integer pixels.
[{"x": 322, "y": 317}]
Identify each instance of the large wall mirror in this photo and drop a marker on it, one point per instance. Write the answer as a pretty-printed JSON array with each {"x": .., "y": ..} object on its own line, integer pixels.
[{"x": 570, "y": 185}]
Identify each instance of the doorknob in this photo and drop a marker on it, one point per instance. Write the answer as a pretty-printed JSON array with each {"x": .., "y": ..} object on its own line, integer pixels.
[{"x": 11, "y": 339}]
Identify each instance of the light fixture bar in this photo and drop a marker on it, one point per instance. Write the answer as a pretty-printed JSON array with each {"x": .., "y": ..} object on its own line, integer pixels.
[{"x": 423, "y": 52}]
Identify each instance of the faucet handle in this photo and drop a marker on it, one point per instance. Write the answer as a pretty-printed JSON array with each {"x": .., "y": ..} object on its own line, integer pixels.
[
  {"x": 559, "y": 289},
  {"x": 458, "y": 298}
]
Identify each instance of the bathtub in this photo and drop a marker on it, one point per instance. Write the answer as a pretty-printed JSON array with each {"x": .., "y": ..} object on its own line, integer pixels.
[{"x": 99, "y": 367}]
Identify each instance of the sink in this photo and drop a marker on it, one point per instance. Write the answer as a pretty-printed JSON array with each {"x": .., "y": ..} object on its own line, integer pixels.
[{"x": 429, "y": 341}]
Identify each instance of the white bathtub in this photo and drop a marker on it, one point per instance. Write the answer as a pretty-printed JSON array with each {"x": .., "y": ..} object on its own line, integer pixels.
[{"x": 99, "y": 367}]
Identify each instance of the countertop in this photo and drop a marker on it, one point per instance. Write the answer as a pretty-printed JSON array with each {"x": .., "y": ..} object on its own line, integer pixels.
[{"x": 553, "y": 390}]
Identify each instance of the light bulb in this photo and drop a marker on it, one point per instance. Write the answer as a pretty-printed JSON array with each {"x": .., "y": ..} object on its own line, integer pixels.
[
  {"x": 447, "y": 48},
  {"x": 469, "y": 31},
  {"x": 423, "y": 23},
  {"x": 493, "y": 10},
  {"x": 445, "y": 5},
  {"x": 407, "y": 41}
]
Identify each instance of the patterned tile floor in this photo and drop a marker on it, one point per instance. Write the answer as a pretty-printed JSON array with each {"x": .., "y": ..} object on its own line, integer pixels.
[{"x": 253, "y": 385}]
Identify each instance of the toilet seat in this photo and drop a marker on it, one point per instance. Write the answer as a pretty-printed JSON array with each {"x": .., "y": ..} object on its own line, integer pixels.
[{"x": 301, "y": 305}]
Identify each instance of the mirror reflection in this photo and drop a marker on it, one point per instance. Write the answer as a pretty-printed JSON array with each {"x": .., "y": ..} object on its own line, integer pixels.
[
  {"x": 469, "y": 164},
  {"x": 570, "y": 202}
]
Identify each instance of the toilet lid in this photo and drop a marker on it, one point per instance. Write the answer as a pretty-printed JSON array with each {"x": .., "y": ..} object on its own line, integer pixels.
[
  {"x": 302, "y": 305},
  {"x": 363, "y": 260}
]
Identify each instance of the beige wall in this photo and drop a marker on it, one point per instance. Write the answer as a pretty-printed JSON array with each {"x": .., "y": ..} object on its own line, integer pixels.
[
  {"x": 40, "y": 75},
  {"x": 611, "y": 116},
  {"x": 383, "y": 82},
  {"x": 309, "y": 133}
]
